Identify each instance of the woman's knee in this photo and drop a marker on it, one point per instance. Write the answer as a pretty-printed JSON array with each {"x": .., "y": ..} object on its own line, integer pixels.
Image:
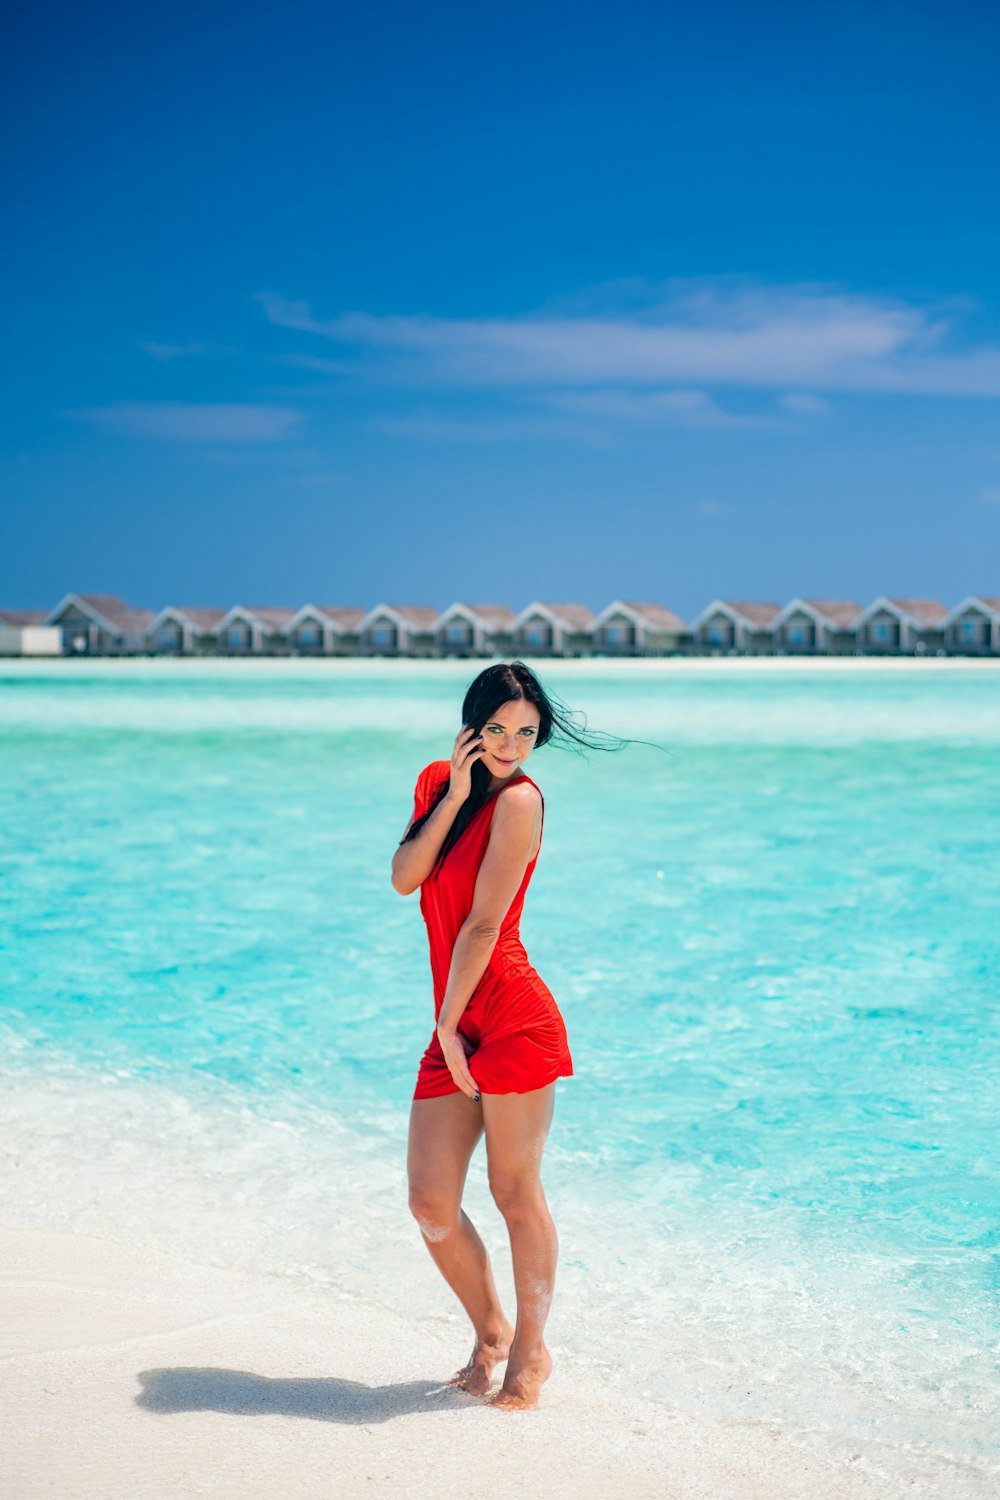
[
  {"x": 435, "y": 1212},
  {"x": 516, "y": 1194}
]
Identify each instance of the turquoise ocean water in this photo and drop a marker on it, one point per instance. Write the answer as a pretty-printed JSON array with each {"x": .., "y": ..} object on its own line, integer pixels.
[{"x": 776, "y": 948}]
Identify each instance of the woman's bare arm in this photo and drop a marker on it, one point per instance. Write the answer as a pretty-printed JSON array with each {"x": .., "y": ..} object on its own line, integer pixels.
[
  {"x": 513, "y": 833},
  {"x": 414, "y": 860}
]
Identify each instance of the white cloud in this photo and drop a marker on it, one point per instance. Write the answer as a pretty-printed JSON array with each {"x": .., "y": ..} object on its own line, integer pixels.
[
  {"x": 429, "y": 427},
  {"x": 657, "y": 408},
  {"x": 691, "y": 334},
  {"x": 314, "y": 362},
  {"x": 991, "y": 496},
  {"x": 171, "y": 422},
  {"x": 804, "y": 404}
]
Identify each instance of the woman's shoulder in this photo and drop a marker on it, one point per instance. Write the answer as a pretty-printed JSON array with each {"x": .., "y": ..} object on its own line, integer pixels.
[
  {"x": 433, "y": 772},
  {"x": 520, "y": 793},
  {"x": 525, "y": 789}
]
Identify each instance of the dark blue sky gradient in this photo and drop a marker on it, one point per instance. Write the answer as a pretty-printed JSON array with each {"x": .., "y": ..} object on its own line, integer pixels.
[{"x": 172, "y": 435}]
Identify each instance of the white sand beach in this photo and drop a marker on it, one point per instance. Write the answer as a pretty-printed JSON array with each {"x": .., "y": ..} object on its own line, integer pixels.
[
  {"x": 159, "y": 667},
  {"x": 129, "y": 1372}
]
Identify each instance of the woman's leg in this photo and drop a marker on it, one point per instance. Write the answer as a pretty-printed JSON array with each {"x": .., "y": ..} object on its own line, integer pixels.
[
  {"x": 516, "y": 1127},
  {"x": 443, "y": 1135}
]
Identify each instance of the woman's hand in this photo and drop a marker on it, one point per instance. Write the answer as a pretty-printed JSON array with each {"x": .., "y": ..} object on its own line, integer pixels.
[
  {"x": 453, "y": 1047},
  {"x": 468, "y": 747}
]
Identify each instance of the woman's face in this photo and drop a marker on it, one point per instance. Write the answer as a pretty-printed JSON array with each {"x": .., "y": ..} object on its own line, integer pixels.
[{"x": 509, "y": 736}]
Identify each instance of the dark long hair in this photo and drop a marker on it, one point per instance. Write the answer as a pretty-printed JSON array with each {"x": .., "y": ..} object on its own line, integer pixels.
[{"x": 564, "y": 727}]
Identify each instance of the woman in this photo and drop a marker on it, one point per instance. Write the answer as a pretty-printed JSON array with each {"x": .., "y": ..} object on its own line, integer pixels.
[{"x": 500, "y": 1042}]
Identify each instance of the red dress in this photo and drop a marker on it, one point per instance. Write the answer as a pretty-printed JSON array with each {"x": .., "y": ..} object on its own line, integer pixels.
[{"x": 512, "y": 1020}]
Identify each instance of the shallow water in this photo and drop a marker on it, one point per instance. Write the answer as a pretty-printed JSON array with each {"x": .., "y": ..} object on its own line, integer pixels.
[{"x": 775, "y": 948}]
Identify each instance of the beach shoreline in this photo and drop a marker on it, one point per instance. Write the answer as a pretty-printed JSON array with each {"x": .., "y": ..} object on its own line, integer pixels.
[
  {"x": 163, "y": 1334},
  {"x": 131, "y": 666},
  {"x": 133, "y": 1371}
]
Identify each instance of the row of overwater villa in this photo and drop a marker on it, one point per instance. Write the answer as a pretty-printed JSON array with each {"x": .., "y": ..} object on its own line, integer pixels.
[{"x": 103, "y": 625}]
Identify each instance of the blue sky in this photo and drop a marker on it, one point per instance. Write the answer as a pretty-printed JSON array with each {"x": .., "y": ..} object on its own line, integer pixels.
[{"x": 346, "y": 304}]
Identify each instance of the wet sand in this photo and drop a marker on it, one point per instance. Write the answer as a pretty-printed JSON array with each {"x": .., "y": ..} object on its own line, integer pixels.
[{"x": 128, "y": 1372}]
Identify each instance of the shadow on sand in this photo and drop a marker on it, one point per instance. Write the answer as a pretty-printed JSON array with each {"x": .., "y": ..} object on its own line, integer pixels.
[{"x": 323, "y": 1399}]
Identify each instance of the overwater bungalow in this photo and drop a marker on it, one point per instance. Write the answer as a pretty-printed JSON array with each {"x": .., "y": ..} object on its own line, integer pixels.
[
  {"x": 474, "y": 630},
  {"x": 180, "y": 630},
  {"x": 258, "y": 630},
  {"x": 814, "y": 627},
  {"x": 100, "y": 625},
  {"x": 629, "y": 629},
  {"x": 23, "y": 632},
  {"x": 973, "y": 627},
  {"x": 898, "y": 627},
  {"x": 736, "y": 625},
  {"x": 398, "y": 630},
  {"x": 103, "y": 625},
  {"x": 552, "y": 630},
  {"x": 325, "y": 630}
]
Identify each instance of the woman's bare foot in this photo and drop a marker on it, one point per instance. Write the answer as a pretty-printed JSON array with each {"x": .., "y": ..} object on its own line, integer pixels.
[
  {"x": 523, "y": 1382},
  {"x": 476, "y": 1376}
]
